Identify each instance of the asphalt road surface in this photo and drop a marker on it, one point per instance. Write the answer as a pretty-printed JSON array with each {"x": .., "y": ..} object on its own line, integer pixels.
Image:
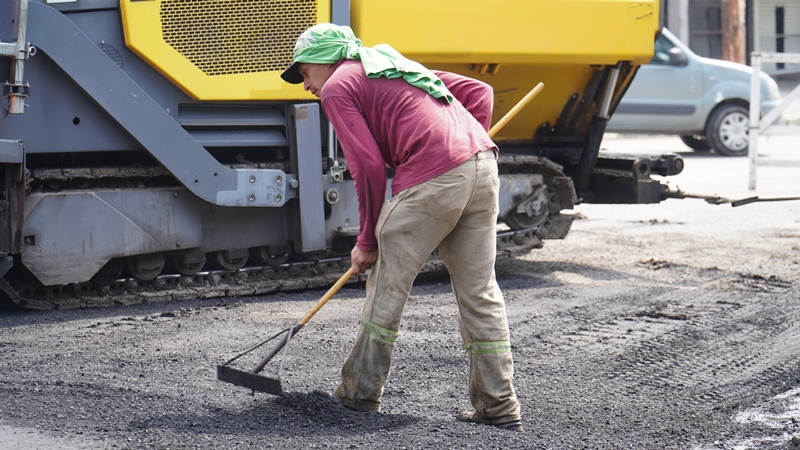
[{"x": 667, "y": 326}]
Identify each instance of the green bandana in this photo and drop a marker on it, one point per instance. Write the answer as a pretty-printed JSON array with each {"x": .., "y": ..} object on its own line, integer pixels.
[{"x": 326, "y": 43}]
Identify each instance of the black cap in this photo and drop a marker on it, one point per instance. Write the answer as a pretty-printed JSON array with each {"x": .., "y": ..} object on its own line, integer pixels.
[{"x": 292, "y": 74}]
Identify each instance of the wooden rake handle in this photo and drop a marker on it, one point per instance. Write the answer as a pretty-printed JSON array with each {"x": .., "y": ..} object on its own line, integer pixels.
[
  {"x": 521, "y": 104},
  {"x": 331, "y": 292},
  {"x": 296, "y": 327}
]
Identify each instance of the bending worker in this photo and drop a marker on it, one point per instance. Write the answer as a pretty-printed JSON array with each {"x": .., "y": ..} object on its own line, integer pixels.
[{"x": 388, "y": 111}]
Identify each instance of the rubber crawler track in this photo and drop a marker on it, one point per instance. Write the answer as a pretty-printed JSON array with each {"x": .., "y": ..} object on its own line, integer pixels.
[
  {"x": 251, "y": 280},
  {"x": 247, "y": 281}
]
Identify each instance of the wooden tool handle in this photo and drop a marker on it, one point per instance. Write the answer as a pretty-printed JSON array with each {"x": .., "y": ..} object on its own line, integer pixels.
[
  {"x": 296, "y": 327},
  {"x": 333, "y": 290},
  {"x": 510, "y": 115}
]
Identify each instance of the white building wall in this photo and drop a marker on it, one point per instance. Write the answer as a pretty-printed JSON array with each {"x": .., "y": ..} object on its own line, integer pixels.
[
  {"x": 677, "y": 19},
  {"x": 764, "y": 36}
]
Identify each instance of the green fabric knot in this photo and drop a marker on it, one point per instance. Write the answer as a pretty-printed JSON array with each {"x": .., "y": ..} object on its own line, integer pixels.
[{"x": 326, "y": 43}]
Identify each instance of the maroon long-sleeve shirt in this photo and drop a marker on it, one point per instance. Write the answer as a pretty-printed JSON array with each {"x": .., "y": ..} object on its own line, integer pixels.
[{"x": 389, "y": 123}]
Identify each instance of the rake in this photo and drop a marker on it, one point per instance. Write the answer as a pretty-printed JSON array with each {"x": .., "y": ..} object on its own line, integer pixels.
[{"x": 251, "y": 379}]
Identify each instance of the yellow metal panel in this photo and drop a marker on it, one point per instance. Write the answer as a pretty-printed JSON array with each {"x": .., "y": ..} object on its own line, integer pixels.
[
  {"x": 512, "y": 82},
  {"x": 222, "y": 49},
  {"x": 515, "y": 44},
  {"x": 236, "y": 49},
  {"x": 511, "y": 31}
]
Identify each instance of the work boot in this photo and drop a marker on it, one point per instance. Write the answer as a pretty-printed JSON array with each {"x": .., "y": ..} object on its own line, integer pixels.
[
  {"x": 472, "y": 417},
  {"x": 338, "y": 394}
]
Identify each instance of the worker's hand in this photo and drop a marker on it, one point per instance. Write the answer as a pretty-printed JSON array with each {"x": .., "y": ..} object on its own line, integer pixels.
[{"x": 362, "y": 260}]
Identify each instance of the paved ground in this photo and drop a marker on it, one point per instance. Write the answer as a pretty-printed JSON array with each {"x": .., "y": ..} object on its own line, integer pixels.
[{"x": 667, "y": 326}]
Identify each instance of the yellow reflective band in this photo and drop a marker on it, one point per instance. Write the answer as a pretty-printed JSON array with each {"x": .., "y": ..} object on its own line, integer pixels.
[
  {"x": 379, "y": 332},
  {"x": 488, "y": 348}
]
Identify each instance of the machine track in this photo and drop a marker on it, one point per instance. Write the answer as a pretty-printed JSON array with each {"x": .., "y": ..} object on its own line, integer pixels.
[
  {"x": 23, "y": 291},
  {"x": 247, "y": 281}
]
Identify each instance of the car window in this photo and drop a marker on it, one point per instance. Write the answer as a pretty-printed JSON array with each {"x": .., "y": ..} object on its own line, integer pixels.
[{"x": 661, "y": 54}]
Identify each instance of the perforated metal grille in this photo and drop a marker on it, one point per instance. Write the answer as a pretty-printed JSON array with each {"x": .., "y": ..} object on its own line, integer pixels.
[{"x": 223, "y": 37}]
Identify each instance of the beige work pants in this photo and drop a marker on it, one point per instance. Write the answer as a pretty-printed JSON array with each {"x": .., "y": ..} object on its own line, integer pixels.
[{"x": 455, "y": 212}]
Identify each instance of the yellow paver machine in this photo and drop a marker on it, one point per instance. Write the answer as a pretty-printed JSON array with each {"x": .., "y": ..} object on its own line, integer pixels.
[{"x": 150, "y": 149}]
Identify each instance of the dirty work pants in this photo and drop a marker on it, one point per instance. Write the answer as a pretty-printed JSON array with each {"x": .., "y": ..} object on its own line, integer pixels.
[{"x": 455, "y": 212}]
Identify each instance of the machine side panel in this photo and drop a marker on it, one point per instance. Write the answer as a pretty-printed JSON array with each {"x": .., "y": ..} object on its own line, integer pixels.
[
  {"x": 146, "y": 121},
  {"x": 93, "y": 227},
  {"x": 308, "y": 167}
]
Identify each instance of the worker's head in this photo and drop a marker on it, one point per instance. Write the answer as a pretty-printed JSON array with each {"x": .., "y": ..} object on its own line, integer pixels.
[
  {"x": 314, "y": 76},
  {"x": 322, "y": 44}
]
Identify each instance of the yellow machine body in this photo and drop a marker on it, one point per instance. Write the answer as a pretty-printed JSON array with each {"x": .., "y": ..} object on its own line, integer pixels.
[
  {"x": 511, "y": 31},
  {"x": 231, "y": 50},
  {"x": 222, "y": 49},
  {"x": 515, "y": 44}
]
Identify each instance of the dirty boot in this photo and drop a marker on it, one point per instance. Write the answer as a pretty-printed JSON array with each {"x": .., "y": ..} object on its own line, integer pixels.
[{"x": 472, "y": 416}]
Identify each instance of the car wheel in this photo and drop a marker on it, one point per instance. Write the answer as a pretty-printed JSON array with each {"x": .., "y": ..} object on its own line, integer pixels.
[
  {"x": 727, "y": 130},
  {"x": 696, "y": 142}
]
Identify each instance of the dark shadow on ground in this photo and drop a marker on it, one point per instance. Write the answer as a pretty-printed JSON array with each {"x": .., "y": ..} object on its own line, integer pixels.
[{"x": 292, "y": 415}]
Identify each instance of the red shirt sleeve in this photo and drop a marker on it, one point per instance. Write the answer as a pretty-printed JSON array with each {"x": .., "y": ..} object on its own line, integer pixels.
[
  {"x": 476, "y": 96},
  {"x": 364, "y": 161}
]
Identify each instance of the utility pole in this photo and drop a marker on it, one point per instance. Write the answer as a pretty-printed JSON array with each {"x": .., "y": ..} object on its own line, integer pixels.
[{"x": 733, "y": 31}]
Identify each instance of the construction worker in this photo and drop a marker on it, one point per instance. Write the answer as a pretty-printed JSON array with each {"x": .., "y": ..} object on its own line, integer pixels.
[{"x": 392, "y": 112}]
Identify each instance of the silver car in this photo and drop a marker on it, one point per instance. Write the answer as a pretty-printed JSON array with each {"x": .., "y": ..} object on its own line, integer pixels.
[{"x": 704, "y": 101}]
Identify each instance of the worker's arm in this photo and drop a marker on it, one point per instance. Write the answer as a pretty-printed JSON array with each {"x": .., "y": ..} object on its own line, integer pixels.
[
  {"x": 476, "y": 96},
  {"x": 368, "y": 170}
]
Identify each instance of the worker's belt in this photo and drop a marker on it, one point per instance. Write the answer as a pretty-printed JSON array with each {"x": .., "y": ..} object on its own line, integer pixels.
[{"x": 490, "y": 153}]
